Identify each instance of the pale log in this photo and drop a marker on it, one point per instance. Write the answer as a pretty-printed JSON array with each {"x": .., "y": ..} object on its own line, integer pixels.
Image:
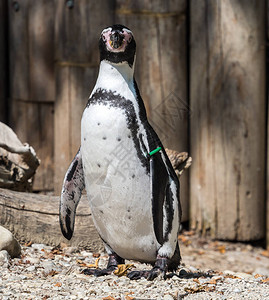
[{"x": 35, "y": 218}]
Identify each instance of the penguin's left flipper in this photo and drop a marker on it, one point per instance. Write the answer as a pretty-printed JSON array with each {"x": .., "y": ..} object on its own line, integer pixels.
[{"x": 73, "y": 186}]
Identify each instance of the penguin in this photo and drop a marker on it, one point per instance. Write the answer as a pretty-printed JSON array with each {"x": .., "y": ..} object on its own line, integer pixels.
[{"x": 131, "y": 186}]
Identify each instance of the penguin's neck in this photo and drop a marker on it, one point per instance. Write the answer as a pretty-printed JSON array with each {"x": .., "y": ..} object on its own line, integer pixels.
[{"x": 118, "y": 78}]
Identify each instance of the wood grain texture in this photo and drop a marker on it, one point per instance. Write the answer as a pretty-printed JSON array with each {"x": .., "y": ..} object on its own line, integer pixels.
[
  {"x": 19, "y": 70},
  {"x": 3, "y": 62},
  {"x": 267, "y": 183},
  {"x": 77, "y": 31},
  {"x": 33, "y": 122},
  {"x": 228, "y": 121},
  {"x": 34, "y": 217},
  {"x": 161, "y": 71},
  {"x": 31, "y": 50},
  {"x": 73, "y": 87},
  {"x": 41, "y": 50},
  {"x": 32, "y": 80}
]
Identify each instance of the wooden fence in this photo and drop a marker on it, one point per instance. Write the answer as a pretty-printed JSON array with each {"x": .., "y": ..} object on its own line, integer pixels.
[{"x": 201, "y": 70}]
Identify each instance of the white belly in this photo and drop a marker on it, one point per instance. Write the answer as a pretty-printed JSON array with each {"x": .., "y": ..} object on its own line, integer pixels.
[{"x": 117, "y": 185}]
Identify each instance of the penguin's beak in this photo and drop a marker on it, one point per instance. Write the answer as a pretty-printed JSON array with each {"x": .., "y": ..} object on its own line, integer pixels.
[{"x": 116, "y": 39}]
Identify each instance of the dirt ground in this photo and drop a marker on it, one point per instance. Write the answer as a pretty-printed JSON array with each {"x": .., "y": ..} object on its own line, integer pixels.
[{"x": 206, "y": 254}]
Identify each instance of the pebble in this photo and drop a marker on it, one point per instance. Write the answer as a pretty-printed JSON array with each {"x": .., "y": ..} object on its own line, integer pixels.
[
  {"x": 168, "y": 297},
  {"x": 40, "y": 247},
  {"x": 4, "y": 257}
]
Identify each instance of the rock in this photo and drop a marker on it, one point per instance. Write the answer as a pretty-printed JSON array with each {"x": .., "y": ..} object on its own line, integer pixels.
[
  {"x": 40, "y": 247},
  {"x": 4, "y": 257},
  {"x": 31, "y": 260},
  {"x": 168, "y": 297},
  {"x": 70, "y": 250},
  {"x": 9, "y": 243}
]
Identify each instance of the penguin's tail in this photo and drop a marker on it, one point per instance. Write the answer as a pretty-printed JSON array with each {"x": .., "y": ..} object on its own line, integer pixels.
[{"x": 73, "y": 186}]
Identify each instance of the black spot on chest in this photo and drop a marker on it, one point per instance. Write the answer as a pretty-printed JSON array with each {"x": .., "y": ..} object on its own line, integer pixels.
[{"x": 110, "y": 99}]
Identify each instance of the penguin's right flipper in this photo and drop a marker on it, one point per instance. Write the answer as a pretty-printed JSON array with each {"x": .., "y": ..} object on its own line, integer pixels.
[{"x": 73, "y": 186}]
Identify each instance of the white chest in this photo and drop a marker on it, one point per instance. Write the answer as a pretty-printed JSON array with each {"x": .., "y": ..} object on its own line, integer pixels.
[{"x": 117, "y": 184}]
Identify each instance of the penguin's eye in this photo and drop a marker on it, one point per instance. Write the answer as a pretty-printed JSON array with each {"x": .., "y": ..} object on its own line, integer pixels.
[
  {"x": 103, "y": 38},
  {"x": 129, "y": 40}
]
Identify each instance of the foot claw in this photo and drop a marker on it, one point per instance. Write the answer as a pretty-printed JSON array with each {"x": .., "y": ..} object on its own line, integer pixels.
[
  {"x": 149, "y": 275},
  {"x": 97, "y": 272}
]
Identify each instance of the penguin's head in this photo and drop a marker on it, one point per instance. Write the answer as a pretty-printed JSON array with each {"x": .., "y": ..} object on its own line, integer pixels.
[{"x": 117, "y": 45}]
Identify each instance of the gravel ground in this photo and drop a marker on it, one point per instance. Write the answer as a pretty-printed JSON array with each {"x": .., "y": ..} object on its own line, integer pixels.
[{"x": 209, "y": 270}]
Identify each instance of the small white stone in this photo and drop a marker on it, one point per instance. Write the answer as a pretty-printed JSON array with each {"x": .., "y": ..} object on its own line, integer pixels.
[
  {"x": 228, "y": 272},
  {"x": 31, "y": 260},
  {"x": 168, "y": 297},
  {"x": 4, "y": 257},
  {"x": 70, "y": 250},
  {"x": 40, "y": 247},
  {"x": 30, "y": 269}
]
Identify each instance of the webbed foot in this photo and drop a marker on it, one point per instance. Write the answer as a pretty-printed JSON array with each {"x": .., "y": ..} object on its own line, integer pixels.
[
  {"x": 160, "y": 267},
  {"x": 97, "y": 272},
  {"x": 113, "y": 262}
]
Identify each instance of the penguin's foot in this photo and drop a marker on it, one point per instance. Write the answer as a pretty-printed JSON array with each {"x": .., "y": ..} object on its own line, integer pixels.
[
  {"x": 160, "y": 267},
  {"x": 113, "y": 262},
  {"x": 97, "y": 272}
]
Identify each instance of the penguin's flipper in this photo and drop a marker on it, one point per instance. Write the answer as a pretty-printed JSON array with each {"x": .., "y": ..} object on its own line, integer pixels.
[
  {"x": 159, "y": 180},
  {"x": 73, "y": 186}
]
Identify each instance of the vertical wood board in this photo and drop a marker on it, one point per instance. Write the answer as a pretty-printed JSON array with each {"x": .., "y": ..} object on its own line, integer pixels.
[
  {"x": 19, "y": 49},
  {"x": 228, "y": 120},
  {"x": 41, "y": 50},
  {"x": 78, "y": 29},
  {"x": 73, "y": 87},
  {"x": 33, "y": 123},
  {"x": 3, "y": 62}
]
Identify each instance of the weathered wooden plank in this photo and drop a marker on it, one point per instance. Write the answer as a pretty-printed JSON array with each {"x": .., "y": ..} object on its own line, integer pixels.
[
  {"x": 34, "y": 217},
  {"x": 31, "y": 44},
  {"x": 77, "y": 31},
  {"x": 78, "y": 28},
  {"x": 34, "y": 124},
  {"x": 41, "y": 54},
  {"x": 267, "y": 202},
  {"x": 169, "y": 7},
  {"x": 73, "y": 88},
  {"x": 18, "y": 49},
  {"x": 3, "y": 62},
  {"x": 161, "y": 70},
  {"x": 228, "y": 122}
]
